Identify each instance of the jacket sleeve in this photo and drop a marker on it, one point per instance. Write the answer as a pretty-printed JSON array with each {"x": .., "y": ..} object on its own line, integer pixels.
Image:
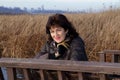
[
  {"x": 43, "y": 52},
  {"x": 78, "y": 52}
]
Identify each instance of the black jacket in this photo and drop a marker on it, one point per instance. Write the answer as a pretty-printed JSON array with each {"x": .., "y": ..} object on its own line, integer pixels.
[{"x": 75, "y": 52}]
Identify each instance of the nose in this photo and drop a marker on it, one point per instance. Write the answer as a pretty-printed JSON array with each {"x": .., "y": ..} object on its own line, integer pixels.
[{"x": 55, "y": 33}]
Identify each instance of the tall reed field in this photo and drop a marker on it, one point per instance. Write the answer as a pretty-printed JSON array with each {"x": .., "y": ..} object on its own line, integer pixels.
[{"x": 22, "y": 36}]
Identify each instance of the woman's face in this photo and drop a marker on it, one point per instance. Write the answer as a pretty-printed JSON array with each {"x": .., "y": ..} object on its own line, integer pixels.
[{"x": 58, "y": 33}]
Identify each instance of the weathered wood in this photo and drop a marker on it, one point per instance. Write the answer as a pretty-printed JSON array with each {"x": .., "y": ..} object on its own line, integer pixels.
[
  {"x": 62, "y": 65},
  {"x": 102, "y": 57},
  {"x": 10, "y": 73},
  {"x": 114, "y": 59},
  {"x": 102, "y": 68},
  {"x": 115, "y": 55},
  {"x": 60, "y": 77},
  {"x": 80, "y": 76},
  {"x": 42, "y": 75},
  {"x": 112, "y": 51},
  {"x": 102, "y": 77},
  {"x": 25, "y": 74}
]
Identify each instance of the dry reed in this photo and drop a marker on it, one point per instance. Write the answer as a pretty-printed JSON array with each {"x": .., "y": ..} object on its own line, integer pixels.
[{"x": 22, "y": 36}]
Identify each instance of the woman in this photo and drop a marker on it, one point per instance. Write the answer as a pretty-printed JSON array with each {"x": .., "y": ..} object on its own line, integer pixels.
[{"x": 63, "y": 40}]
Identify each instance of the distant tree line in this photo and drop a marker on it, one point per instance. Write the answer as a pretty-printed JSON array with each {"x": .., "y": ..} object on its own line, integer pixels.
[{"x": 17, "y": 10}]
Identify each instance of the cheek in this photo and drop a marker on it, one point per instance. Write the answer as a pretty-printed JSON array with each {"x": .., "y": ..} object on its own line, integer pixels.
[
  {"x": 52, "y": 35},
  {"x": 63, "y": 35}
]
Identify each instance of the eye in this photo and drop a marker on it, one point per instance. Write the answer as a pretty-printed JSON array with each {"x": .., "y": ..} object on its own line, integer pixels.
[
  {"x": 59, "y": 30},
  {"x": 51, "y": 31}
]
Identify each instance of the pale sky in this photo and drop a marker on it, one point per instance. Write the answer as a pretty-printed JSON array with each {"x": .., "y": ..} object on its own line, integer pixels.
[{"x": 72, "y": 5}]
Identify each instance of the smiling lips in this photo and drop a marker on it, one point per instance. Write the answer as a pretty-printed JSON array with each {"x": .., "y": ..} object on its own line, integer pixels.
[{"x": 57, "y": 38}]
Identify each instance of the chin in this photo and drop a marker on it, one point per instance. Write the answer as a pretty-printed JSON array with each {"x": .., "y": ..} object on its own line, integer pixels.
[{"x": 57, "y": 41}]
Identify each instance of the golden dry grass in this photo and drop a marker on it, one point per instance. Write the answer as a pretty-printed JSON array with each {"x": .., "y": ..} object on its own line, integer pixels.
[{"x": 22, "y": 36}]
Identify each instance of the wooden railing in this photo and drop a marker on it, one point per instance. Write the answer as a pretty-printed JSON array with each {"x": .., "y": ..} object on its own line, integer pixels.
[
  {"x": 58, "y": 65},
  {"x": 114, "y": 54}
]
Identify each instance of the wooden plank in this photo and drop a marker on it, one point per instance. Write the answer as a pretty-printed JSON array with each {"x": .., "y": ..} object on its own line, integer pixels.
[
  {"x": 102, "y": 57},
  {"x": 113, "y": 58},
  {"x": 60, "y": 77},
  {"x": 25, "y": 74},
  {"x": 42, "y": 75},
  {"x": 115, "y": 55},
  {"x": 102, "y": 76},
  {"x": 80, "y": 76},
  {"x": 112, "y": 51},
  {"x": 63, "y": 65},
  {"x": 10, "y": 73}
]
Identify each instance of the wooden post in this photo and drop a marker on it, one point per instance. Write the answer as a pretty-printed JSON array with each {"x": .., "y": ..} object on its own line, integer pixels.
[
  {"x": 10, "y": 73},
  {"x": 102, "y": 77},
  {"x": 41, "y": 74},
  {"x": 25, "y": 74},
  {"x": 102, "y": 56},
  {"x": 80, "y": 76},
  {"x": 59, "y": 75}
]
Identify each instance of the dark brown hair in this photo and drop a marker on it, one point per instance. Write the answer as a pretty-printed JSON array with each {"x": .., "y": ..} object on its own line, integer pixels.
[{"x": 62, "y": 21}]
